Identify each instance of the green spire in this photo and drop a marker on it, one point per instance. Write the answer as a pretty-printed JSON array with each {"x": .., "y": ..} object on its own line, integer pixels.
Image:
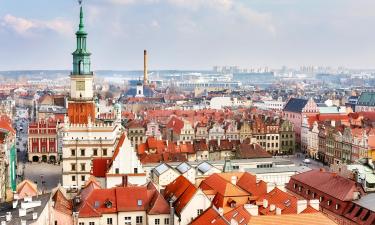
[
  {"x": 81, "y": 26},
  {"x": 81, "y": 30},
  {"x": 81, "y": 56}
]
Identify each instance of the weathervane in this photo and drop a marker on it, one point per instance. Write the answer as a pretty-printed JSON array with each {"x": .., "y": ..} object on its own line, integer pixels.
[{"x": 80, "y": 2}]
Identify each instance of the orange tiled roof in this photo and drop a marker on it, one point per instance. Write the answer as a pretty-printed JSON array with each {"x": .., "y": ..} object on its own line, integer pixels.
[
  {"x": 286, "y": 202},
  {"x": 292, "y": 219},
  {"x": 180, "y": 191}
]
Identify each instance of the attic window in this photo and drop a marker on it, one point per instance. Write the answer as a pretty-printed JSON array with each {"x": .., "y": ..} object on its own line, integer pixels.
[
  {"x": 337, "y": 206},
  {"x": 139, "y": 202},
  {"x": 108, "y": 204}
]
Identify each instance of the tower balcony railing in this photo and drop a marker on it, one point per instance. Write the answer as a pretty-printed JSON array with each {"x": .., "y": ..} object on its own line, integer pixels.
[
  {"x": 85, "y": 74},
  {"x": 82, "y": 99}
]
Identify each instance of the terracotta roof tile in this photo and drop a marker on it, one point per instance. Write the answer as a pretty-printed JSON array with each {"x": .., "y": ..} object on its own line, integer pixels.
[{"x": 329, "y": 183}]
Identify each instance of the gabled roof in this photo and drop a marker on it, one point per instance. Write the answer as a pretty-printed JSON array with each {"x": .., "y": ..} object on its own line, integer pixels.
[
  {"x": 239, "y": 214},
  {"x": 180, "y": 191},
  {"x": 62, "y": 204},
  {"x": 183, "y": 167},
  {"x": 210, "y": 216},
  {"x": 221, "y": 186},
  {"x": 329, "y": 183},
  {"x": 249, "y": 183},
  {"x": 292, "y": 219},
  {"x": 204, "y": 167},
  {"x": 252, "y": 151},
  {"x": 124, "y": 199},
  {"x": 295, "y": 105},
  {"x": 160, "y": 169},
  {"x": 286, "y": 202}
]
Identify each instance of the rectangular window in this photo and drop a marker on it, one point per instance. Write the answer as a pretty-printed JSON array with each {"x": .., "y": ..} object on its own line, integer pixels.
[
  {"x": 127, "y": 220},
  {"x": 109, "y": 221},
  {"x": 157, "y": 221},
  {"x": 72, "y": 152},
  {"x": 82, "y": 152},
  {"x": 139, "y": 220},
  {"x": 83, "y": 178},
  {"x": 104, "y": 152},
  {"x": 83, "y": 166},
  {"x": 73, "y": 178},
  {"x": 199, "y": 211},
  {"x": 95, "y": 153},
  {"x": 81, "y": 223},
  {"x": 166, "y": 221},
  {"x": 73, "y": 166},
  {"x": 135, "y": 170},
  {"x": 91, "y": 223},
  {"x": 117, "y": 170}
]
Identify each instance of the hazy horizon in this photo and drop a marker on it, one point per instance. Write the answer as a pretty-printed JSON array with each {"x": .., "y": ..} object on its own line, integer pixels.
[{"x": 189, "y": 34}]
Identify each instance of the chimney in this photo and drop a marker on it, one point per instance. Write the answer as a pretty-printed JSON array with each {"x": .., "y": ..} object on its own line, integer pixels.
[
  {"x": 265, "y": 203},
  {"x": 252, "y": 209},
  {"x": 35, "y": 216},
  {"x": 301, "y": 205},
  {"x": 272, "y": 207},
  {"x": 21, "y": 212},
  {"x": 8, "y": 216},
  {"x": 234, "y": 180},
  {"x": 145, "y": 75},
  {"x": 314, "y": 203},
  {"x": 15, "y": 203},
  {"x": 221, "y": 211},
  {"x": 278, "y": 211},
  {"x": 171, "y": 222},
  {"x": 124, "y": 181}
]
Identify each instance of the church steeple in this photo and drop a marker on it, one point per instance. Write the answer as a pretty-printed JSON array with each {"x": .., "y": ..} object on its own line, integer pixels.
[{"x": 81, "y": 56}]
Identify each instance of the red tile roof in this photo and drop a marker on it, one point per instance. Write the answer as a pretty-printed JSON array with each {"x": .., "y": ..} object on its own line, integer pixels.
[
  {"x": 124, "y": 199},
  {"x": 210, "y": 217},
  {"x": 100, "y": 166},
  {"x": 176, "y": 124},
  {"x": 286, "y": 202},
  {"x": 252, "y": 151},
  {"x": 180, "y": 191},
  {"x": 62, "y": 204},
  {"x": 329, "y": 183}
]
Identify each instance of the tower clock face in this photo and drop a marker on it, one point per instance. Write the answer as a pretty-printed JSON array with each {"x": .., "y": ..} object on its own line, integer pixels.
[{"x": 80, "y": 85}]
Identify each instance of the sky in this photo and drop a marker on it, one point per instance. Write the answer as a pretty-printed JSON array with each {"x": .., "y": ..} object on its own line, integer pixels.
[{"x": 189, "y": 34}]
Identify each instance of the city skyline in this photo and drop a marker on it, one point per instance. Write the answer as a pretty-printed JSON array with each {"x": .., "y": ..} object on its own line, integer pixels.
[{"x": 182, "y": 34}]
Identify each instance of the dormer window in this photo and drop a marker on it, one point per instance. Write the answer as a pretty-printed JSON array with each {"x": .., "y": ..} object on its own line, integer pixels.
[{"x": 108, "y": 204}]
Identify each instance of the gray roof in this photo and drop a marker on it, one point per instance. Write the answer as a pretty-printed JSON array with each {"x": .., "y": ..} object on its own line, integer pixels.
[
  {"x": 367, "y": 201},
  {"x": 295, "y": 105},
  {"x": 284, "y": 169},
  {"x": 159, "y": 170},
  {"x": 16, "y": 219},
  {"x": 183, "y": 167},
  {"x": 367, "y": 99},
  {"x": 204, "y": 167}
]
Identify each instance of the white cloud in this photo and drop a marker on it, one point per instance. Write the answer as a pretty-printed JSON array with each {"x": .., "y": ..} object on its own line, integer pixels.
[
  {"x": 231, "y": 8},
  {"x": 155, "y": 24},
  {"x": 27, "y": 27},
  {"x": 129, "y": 2}
]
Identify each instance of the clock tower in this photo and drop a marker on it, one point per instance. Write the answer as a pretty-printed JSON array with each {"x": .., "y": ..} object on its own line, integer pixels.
[{"x": 81, "y": 104}]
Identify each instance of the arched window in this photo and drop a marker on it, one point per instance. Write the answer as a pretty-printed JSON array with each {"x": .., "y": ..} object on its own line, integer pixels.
[{"x": 80, "y": 67}]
